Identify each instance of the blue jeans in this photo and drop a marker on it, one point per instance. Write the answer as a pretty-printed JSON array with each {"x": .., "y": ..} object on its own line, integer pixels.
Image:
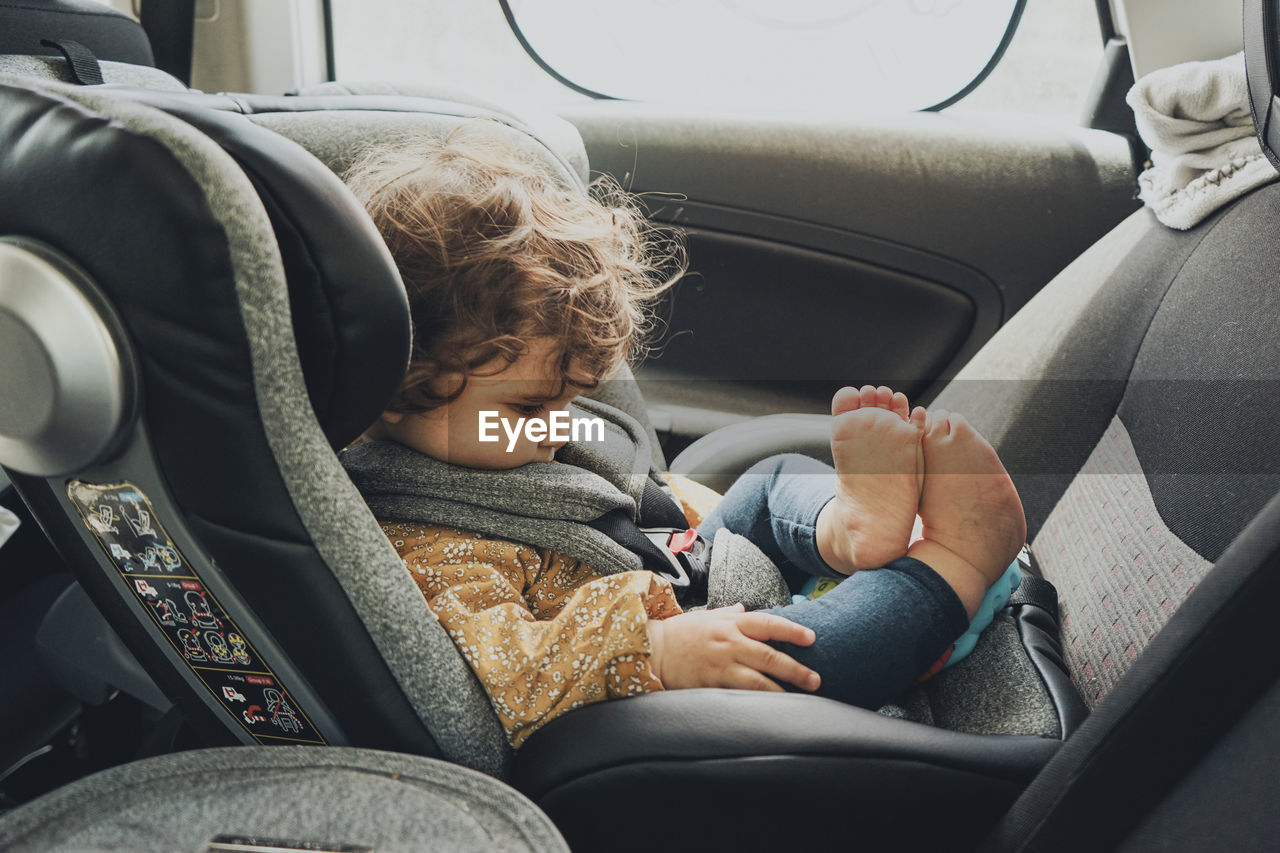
[{"x": 879, "y": 629}]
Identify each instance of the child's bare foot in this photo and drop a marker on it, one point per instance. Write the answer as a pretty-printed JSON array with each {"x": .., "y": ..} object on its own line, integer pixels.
[
  {"x": 875, "y": 442},
  {"x": 973, "y": 524}
]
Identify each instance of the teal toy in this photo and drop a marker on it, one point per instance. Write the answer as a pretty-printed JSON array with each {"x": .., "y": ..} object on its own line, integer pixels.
[{"x": 995, "y": 599}]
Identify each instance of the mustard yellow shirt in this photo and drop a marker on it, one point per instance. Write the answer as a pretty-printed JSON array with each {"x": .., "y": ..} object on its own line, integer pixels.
[{"x": 543, "y": 632}]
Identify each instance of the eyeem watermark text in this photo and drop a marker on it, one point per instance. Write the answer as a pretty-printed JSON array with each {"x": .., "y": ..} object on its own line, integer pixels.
[{"x": 559, "y": 426}]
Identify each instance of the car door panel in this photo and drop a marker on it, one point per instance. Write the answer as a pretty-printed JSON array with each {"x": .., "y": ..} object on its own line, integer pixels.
[{"x": 872, "y": 249}]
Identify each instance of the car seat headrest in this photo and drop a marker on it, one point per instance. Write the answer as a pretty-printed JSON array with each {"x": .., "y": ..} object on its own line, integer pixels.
[
  {"x": 110, "y": 35},
  {"x": 1262, "y": 67},
  {"x": 348, "y": 307}
]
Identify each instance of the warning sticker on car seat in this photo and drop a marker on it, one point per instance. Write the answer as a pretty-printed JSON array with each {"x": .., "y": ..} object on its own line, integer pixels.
[{"x": 163, "y": 582}]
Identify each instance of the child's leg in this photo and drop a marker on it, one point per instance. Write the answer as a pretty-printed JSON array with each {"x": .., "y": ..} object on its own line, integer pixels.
[
  {"x": 880, "y": 629},
  {"x": 877, "y": 631},
  {"x": 776, "y": 504}
]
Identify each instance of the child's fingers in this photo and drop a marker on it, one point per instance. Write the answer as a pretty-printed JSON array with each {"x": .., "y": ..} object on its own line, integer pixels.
[
  {"x": 770, "y": 626},
  {"x": 746, "y": 678},
  {"x": 769, "y": 661}
]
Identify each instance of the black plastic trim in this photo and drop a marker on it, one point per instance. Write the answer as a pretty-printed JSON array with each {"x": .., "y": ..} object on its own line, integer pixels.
[
  {"x": 1106, "y": 23},
  {"x": 330, "y": 60},
  {"x": 542, "y": 63},
  {"x": 1260, "y": 37}
]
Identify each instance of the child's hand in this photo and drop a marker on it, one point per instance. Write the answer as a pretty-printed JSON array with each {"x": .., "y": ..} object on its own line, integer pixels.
[{"x": 724, "y": 648}]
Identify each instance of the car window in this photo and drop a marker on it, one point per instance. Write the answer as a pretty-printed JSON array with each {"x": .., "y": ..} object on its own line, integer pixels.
[
  {"x": 816, "y": 55},
  {"x": 832, "y": 56}
]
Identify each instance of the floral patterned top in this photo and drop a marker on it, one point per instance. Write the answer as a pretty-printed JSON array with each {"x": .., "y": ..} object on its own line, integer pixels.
[{"x": 543, "y": 632}]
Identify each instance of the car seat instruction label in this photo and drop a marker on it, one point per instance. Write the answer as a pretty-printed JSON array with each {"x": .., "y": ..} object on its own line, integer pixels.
[{"x": 162, "y": 581}]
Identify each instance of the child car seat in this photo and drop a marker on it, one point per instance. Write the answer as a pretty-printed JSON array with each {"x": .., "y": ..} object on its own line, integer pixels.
[{"x": 199, "y": 416}]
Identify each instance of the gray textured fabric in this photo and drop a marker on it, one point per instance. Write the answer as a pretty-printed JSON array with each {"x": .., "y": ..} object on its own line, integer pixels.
[
  {"x": 1067, "y": 357},
  {"x": 337, "y": 136},
  {"x": 1207, "y": 377},
  {"x": 622, "y": 391},
  {"x": 995, "y": 690},
  {"x": 435, "y": 678},
  {"x": 556, "y": 133},
  {"x": 54, "y": 68},
  {"x": 1119, "y": 571},
  {"x": 740, "y": 572},
  {"x": 385, "y": 801},
  {"x": 544, "y": 504}
]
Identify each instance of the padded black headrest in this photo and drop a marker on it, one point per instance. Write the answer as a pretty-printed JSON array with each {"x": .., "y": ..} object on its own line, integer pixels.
[
  {"x": 109, "y": 34},
  {"x": 349, "y": 310},
  {"x": 348, "y": 304},
  {"x": 1261, "y": 57}
]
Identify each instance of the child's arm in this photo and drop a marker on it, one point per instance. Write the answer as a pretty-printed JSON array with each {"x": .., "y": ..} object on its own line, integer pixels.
[
  {"x": 725, "y": 648},
  {"x": 541, "y": 633}
]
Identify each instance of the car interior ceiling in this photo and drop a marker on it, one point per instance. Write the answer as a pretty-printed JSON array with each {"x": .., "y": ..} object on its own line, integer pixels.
[{"x": 1132, "y": 708}]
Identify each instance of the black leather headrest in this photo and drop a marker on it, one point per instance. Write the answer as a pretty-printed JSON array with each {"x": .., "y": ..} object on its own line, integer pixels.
[
  {"x": 1261, "y": 57},
  {"x": 348, "y": 304},
  {"x": 109, "y": 34},
  {"x": 348, "y": 307}
]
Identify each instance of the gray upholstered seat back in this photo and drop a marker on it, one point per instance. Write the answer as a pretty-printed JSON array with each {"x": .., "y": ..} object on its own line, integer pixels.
[
  {"x": 327, "y": 798},
  {"x": 1130, "y": 401}
]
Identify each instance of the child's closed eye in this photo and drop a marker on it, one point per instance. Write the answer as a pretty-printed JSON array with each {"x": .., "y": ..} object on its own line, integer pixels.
[{"x": 528, "y": 410}]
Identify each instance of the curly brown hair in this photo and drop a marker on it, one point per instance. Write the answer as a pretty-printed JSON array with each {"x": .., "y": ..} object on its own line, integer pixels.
[{"x": 495, "y": 250}]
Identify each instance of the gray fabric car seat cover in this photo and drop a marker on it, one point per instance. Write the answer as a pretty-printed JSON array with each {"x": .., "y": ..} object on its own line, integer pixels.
[
  {"x": 322, "y": 795},
  {"x": 1121, "y": 570},
  {"x": 558, "y": 135},
  {"x": 1148, "y": 346},
  {"x": 434, "y": 677}
]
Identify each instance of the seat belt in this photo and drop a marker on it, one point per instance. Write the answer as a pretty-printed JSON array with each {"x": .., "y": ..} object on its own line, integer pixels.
[
  {"x": 170, "y": 26},
  {"x": 663, "y": 540}
]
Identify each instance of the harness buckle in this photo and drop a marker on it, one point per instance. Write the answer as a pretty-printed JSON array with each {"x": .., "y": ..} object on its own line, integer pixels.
[{"x": 688, "y": 554}]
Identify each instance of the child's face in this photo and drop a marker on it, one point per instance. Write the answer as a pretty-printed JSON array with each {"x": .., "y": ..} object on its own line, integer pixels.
[{"x": 451, "y": 433}]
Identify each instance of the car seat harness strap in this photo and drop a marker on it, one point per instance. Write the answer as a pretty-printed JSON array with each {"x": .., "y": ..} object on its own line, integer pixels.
[
  {"x": 84, "y": 66},
  {"x": 664, "y": 542}
]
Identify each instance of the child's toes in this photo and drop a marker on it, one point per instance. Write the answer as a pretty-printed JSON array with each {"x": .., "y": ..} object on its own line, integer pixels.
[
  {"x": 899, "y": 406},
  {"x": 846, "y": 399},
  {"x": 884, "y": 398}
]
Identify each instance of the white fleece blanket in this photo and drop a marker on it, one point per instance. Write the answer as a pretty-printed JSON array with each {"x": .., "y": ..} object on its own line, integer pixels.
[{"x": 1195, "y": 119}]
